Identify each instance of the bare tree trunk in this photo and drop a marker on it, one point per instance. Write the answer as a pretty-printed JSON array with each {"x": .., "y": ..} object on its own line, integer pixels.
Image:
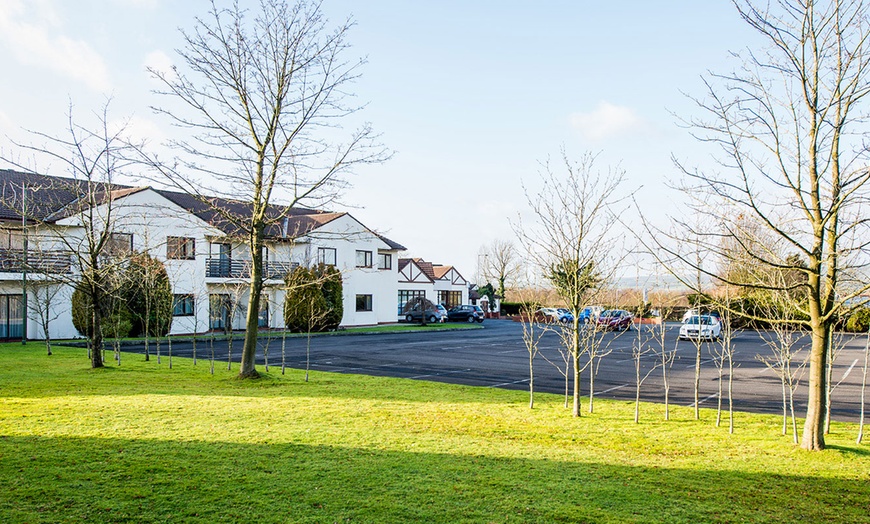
[
  {"x": 719, "y": 399},
  {"x": 863, "y": 388},
  {"x": 730, "y": 393},
  {"x": 531, "y": 381},
  {"x": 785, "y": 395},
  {"x": 248, "y": 368},
  {"x": 211, "y": 347},
  {"x": 283, "y": 349},
  {"x": 698, "y": 378},
  {"x": 814, "y": 425},
  {"x": 829, "y": 380},
  {"x": 169, "y": 343}
]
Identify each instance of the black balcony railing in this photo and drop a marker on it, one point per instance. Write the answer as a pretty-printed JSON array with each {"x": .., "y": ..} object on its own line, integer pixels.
[
  {"x": 233, "y": 268},
  {"x": 13, "y": 261}
]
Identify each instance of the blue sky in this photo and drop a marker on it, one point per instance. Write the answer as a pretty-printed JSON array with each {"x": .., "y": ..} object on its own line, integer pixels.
[{"x": 471, "y": 96}]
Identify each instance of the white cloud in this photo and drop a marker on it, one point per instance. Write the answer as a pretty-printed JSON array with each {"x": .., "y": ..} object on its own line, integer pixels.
[
  {"x": 137, "y": 129},
  {"x": 160, "y": 62},
  {"x": 605, "y": 121},
  {"x": 38, "y": 42}
]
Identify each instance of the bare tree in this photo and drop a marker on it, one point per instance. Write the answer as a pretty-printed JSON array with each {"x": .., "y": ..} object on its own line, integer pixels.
[
  {"x": 666, "y": 358},
  {"x": 93, "y": 158},
  {"x": 722, "y": 354},
  {"x": 263, "y": 93},
  {"x": 782, "y": 339},
  {"x": 532, "y": 333},
  {"x": 501, "y": 263},
  {"x": 640, "y": 348},
  {"x": 43, "y": 305},
  {"x": 570, "y": 242},
  {"x": 785, "y": 124},
  {"x": 835, "y": 347}
]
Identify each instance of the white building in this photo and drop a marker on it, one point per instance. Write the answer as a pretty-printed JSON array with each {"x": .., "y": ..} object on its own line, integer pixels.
[
  {"x": 208, "y": 265},
  {"x": 439, "y": 283}
]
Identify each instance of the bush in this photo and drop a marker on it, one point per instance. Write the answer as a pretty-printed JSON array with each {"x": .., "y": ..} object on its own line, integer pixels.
[
  {"x": 148, "y": 296},
  {"x": 859, "y": 321},
  {"x": 116, "y": 321},
  {"x": 511, "y": 308},
  {"x": 332, "y": 289},
  {"x": 313, "y": 299}
]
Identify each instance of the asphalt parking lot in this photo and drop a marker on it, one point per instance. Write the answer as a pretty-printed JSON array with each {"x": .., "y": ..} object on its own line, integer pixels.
[{"x": 495, "y": 356}]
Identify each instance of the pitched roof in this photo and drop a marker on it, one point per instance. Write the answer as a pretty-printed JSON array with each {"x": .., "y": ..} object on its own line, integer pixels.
[
  {"x": 51, "y": 198},
  {"x": 45, "y": 196},
  {"x": 440, "y": 270},
  {"x": 425, "y": 267}
]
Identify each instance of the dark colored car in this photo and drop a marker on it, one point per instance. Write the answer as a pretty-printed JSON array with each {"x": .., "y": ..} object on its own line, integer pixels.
[
  {"x": 615, "y": 320},
  {"x": 465, "y": 314}
]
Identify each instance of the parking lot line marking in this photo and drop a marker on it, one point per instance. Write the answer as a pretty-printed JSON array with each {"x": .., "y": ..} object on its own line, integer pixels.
[
  {"x": 508, "y": 383},
  {"x": 846, "y": 374},
  {"x": 442, "y": 374},
  {"x": 705, "y": 399},
  {"x": 702, "y": 362},
  {"x": 612, "y": 389}
]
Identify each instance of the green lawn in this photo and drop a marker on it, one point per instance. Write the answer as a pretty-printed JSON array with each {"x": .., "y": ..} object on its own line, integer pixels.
[{"x": 144, "y": 443}]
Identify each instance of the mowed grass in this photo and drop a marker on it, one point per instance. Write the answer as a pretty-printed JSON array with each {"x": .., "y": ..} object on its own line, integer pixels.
[{"x": 145, "y": 443}]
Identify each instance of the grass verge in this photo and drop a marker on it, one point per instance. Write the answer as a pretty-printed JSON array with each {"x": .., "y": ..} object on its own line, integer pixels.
[{"x": 143, "y": 443}]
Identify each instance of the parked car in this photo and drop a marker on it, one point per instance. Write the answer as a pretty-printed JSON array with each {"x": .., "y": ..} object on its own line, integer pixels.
[
  {"x": 466, "y": 313},
  {"x": 615, "y": 320},
  {"x": 695, "y": 312},
  {"x": 552, "y": 314},
  {"x": 590, "y": 313},
  {"x": 701, "y": 327},
  {"x": 442, "y": 311},
  {"x": 432, "y": 315},
  {"x": 689, "y": 314}
]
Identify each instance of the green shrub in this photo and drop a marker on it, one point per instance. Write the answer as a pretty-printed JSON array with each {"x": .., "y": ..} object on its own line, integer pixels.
[
  {"x": 859, "y": 321},
  {"x": 332, "y": 289},
  {"x": 313, "y": 299},
  {"x": 116, "y": 317},
  {"x": 148, "y": 295},
  {"x": 511, "y": 308}
]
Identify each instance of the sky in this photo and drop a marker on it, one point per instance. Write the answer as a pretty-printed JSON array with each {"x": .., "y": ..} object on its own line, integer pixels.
[{"x": 471, "y": 96}]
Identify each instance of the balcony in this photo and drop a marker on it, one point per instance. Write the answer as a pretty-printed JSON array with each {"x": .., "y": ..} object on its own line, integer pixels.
[
  {"x": 231, "y": 268},
  {"x": 56, "y": 262}
]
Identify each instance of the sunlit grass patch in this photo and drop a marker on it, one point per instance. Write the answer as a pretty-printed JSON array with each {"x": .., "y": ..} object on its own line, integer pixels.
[{"x": 143, "y": 443}]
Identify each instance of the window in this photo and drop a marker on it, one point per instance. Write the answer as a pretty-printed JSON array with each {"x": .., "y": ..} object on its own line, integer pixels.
[
  {"x": 450, "y": 299},
  {"x": 120, "y": 244},
  {"x": 263, "y": 315},
  {"x": 385, "y": 261},
  {"x": 363, "y": 302},
  {"x": 180, "y": 248},
  {"x": 407, "y": 294},
  {"x": 363, "y": 259},
  {"x": 182, "y": 305},
  {"x": 326, "y": 255},
  {"x": 219, "y": 309},
  {"x": 11, "y": 320}
]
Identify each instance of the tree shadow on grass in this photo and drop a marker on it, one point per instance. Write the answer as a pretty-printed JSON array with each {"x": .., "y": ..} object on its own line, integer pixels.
[{"x": 117, "y": 480}]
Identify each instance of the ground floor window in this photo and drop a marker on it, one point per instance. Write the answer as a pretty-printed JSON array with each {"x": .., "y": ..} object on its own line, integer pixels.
[
  {"x": 11, "y": 320},
  {"x": 263, "y": 315},
  {"x": 220, "y": 311},
  {"x": 407, "y": 294},
  {"x": 363, "y": 302},
  {"x": 450, "y": 299},
  {"x": 182, "y": 305}
]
